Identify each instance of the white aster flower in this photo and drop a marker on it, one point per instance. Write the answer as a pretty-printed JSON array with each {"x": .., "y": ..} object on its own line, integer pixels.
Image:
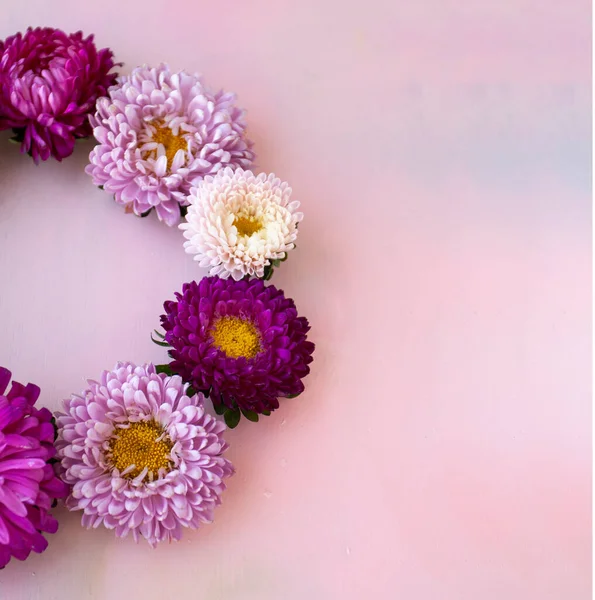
[{"x": 239, "y": 223}]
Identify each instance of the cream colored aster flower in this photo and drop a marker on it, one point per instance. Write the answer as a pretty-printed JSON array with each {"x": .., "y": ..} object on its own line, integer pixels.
[{"x": 240, "y": 224}]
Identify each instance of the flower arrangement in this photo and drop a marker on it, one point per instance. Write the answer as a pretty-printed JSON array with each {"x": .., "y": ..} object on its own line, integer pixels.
[{"x": 137, "y": 451}]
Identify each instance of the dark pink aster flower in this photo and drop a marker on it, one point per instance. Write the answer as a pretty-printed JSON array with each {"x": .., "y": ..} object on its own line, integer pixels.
[
  {"x": 240, "y": 341},
  {"x": 49, "y": 83},
  {"x": 28, "y": 485}
]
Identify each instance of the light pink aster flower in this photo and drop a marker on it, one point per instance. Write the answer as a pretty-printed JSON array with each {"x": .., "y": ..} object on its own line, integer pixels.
[
  {"x": 141, "y": 456},
  {"x": 159, "y": 133}
]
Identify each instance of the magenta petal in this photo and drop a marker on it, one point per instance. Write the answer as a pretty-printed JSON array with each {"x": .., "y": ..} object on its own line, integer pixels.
[
  {"x": 22, "y": 523},
  {"x": 7, "y": 413},
  {"x": 38, "y": 543},
  {"x": 12, "y": 502},
  {"x": 5, "y": 376},
  {"x": 5, "y": 555},
  {"x": 49, "y": 524},
  {"x": 18, "y": 464},
  {"x": 4, "y": 535},
  {"x": 21, "y": 442},
  {"x": 56, "y": 488}
]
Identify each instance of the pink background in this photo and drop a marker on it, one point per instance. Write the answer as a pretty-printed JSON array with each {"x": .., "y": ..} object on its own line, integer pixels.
[{"x": 441, "y": 152}]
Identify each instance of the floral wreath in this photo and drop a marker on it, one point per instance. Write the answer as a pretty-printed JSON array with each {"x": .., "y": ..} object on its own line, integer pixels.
[{"x": 136, "y": 451}]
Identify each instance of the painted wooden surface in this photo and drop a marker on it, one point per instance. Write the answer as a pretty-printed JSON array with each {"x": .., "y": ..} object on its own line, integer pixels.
[{"x": 440, "y": 150}]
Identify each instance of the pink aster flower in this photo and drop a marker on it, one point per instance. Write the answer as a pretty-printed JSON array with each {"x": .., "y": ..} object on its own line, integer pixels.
[
  {"x": 141, "y": 456},
  {"x": 28, "y": 485},
  {"x": 49, "y": 84},
  {"x": 159, "y": 133}
]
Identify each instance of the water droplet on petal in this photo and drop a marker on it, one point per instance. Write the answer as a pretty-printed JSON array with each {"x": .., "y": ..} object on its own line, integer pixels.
[{"x": 267, "y": 493}]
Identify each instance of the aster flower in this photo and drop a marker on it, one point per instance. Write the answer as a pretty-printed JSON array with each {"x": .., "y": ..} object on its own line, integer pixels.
[
  {"x": 241, "y": 342},
  {"x": 49, "y": 83},
  {"x": 28, "y": 485},
  {"x": 141, "y": 456},
  {"x": 159, "y": 133},
  {"x": 241, "y": 224}
]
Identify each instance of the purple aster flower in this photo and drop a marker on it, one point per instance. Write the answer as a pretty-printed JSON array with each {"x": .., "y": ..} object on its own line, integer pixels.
[
  {"x": 28, "y": 485},
  {"x": 240, "y": 341},
  {"x": 159, "y": 134},
  {"x": 141, "y": 456},
  {"x": 49, "y": 83}
]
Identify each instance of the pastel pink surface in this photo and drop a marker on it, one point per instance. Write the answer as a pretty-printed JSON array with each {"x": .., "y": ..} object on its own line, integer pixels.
[{"x": 441, "y": 154}]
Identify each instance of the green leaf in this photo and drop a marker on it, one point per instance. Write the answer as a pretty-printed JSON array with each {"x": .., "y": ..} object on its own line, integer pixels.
[
  {"x": 232, "y": 417},
  {"x": 219, "y": 408},
  {"x": 266, "y": 413},
  {"x": 100, "y": 187},
  {"x": 190, "y": 391},
  {"x": 277, "y": 262},
  {"x": 19, "y": 135},
  {"x": 250, "y": 415},
  {"x": 159, "y": 334},
  {"x": 55, "y": 426},
  {"x": 268, "y": 272},
  {"x": 164, "y": 369},
  {"x": 293, "y": 395},
  {"x": 159, "y": 343},
  {"x": 146, "y": 213}
]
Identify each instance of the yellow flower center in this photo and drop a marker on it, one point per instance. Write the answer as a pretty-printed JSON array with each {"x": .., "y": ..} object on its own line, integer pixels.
[
  {"x": 236, "y": 337},
  {"x": 172, "y": 143},
  {"x": 247, "y": 225},
  {"x": 142, "y": 444}
]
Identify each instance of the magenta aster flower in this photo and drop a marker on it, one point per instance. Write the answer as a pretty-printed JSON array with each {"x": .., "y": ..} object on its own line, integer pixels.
[
  {"x": 141, "y": 456},
  {"x": 159, "y": 134},
  {"x": 49, "y": 83},
  {"x": 28, "y": 485},
  {"x": 239, "y": 341}
]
